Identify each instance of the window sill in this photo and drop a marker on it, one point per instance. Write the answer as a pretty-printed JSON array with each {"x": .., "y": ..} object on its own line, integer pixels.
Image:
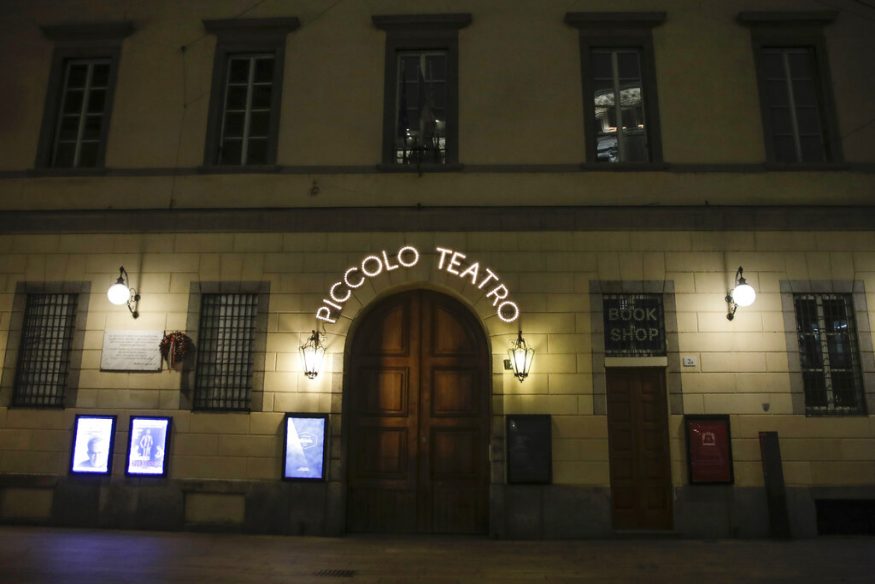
[
  {"x": 806, "y": 166},
  {"x": 67, "y": 172},
  {"x": 624, "y": 166},
  {"x": 253, "y": 169},
  {"x": 421, "y": 169}
]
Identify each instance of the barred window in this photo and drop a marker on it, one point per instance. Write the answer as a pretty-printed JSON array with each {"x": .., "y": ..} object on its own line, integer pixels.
[
  {"x": 828, "y": 354},
  {"x": 223, "y": 377},
  {"x": 44, "y": 353}
]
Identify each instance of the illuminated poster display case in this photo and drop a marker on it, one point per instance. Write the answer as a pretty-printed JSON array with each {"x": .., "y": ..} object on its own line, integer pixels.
[
  {"x": 305, "y": 445},
  {"x": 93, "y": 440},
  {"x": 148, "y": 446},
  {"x": 709, "y": 449}
]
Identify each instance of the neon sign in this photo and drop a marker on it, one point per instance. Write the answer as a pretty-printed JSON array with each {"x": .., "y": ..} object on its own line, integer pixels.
[{"x": 451, "y": 261}]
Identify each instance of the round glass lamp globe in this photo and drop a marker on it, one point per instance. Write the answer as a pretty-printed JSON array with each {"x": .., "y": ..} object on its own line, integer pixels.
[
  {"x": 744, "y": 295},
  {"x": 118, "y": 293}
]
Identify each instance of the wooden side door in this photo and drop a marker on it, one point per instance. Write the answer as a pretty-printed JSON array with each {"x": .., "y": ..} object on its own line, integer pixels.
[
  {"x": 418, "y": 419},
  {"x": 641, "y": 489}
]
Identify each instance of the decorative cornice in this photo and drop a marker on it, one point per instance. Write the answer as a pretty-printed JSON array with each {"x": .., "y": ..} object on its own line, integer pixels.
[
  {"x": 88, "y": 32},
  {"x": 421, "y": 22},
  {"x": 795, "y": 18},
  {"x": 252, "y": 26},
  {"x": 614, "y": 19}
]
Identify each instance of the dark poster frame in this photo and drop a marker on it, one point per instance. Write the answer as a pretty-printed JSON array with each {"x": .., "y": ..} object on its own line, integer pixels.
[
  {"x": 110, "y": 440},
  {"x": 325, "y": 434},
  {"x": 705, "y": 476},
  {"x": 529, "y": 447},
  {"x": 166, "y": 458}
]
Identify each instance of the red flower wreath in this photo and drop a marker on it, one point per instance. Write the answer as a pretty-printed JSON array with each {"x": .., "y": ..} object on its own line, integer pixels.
[{"x": 174, "y": 347}]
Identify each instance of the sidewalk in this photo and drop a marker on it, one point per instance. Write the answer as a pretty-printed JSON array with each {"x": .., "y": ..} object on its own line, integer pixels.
[{"x": 61, "y": 556}]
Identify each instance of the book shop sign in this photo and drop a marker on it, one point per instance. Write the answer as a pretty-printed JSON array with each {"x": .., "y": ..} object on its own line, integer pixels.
[
  {"x": 448, "y": 260},
  {"x": 634, "y": 325}
]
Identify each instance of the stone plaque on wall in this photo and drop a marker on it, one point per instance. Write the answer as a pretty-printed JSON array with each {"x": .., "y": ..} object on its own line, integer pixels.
[{"x": 131, "y": 351}]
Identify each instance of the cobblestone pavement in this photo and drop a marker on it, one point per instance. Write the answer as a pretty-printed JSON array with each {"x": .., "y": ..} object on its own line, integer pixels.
[{"x": 61, "y": 556}]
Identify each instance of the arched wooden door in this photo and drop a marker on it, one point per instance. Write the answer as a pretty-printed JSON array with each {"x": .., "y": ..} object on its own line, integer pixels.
[{"x": 417, "y": 395}]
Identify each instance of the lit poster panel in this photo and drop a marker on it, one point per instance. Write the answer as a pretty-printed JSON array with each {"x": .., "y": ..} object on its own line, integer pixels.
[
  {"x": 304, "y": 447},
  {"x": 92, "y": 445},
  {"x": 149, "y": 439},
  {"x": 709, "y": 449}
]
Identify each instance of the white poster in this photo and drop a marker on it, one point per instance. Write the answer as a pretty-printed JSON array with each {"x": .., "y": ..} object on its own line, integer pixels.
[{"x": 92, "y": 444}]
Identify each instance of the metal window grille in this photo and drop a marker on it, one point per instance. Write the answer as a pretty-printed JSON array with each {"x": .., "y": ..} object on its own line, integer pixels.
[
  {"x": 618, "y": 104},
  {"x": 246, "y": 115},
  {"x": 828, "y": 354},
  {"x": 792, "y": 104},
  {"x": 223, "y": 378},
  {"x": 83, "y": 107},
  {"x": 44, "y": 353},
  {"x": 634, "y": 325},
  {"x": 421, "y": 111}
]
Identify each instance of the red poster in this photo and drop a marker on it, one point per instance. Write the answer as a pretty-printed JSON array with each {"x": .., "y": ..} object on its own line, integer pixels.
[{"x": 709, "y": 451}]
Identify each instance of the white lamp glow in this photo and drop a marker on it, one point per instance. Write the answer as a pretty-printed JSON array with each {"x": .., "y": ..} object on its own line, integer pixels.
[
  {"x": 521, "y": 357},
  {"x": 742, "y": 295},
  {"x": 118, "y": 293}
]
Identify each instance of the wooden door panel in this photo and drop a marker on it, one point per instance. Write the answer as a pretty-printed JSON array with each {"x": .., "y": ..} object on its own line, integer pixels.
[
  {"x": 641, "y": 487},
  {"x": 384, "y": 391},
  {"x": 419, "y": 419}
]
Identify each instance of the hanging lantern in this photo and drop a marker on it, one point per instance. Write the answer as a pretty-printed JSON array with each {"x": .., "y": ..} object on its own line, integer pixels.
[
  {"x": 313, "y": 351},
  {"x": 521, "y": 356}
]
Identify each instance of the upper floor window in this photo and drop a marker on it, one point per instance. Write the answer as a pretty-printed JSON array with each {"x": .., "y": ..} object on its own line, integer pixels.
[
  {"x": 829, "y": 359},
  {"x": 619, "y": 85},
  {"x": 247, "y": 87},
  {"x": 421, "y": 99},
  {"x": 44, "y": 350},
  {"x": 79, "y": 100},
  {"x": 795, "y": 97}
]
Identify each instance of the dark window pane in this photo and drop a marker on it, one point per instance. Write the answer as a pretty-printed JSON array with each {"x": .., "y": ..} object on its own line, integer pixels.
[
  {"x": 64, "y": 155},
  {"x": 601, "y": 65},
  {"x": 809, "y": 352},
  {"x": 800, "y": 65},
  {"x": 264, "y": 70},
  {"x": 815, "y": 390},
  {"x": 261, "y": 95},
  {"x": 77, "y": 75},
  {"x": 69, "y": 128},
  {"x": 73, "y": 102},
  {"x": 808, "y": 119},
  {"x": 782, "y": 122},
  {"x": 257, "y": 152},
  {"x": 804, "y": 93},
  {"x": 436, "y": 67},
  {"x": 92, "y": 127},
  {"x": 100, "y": 75},
  {"x": 88, "y": 154},
  {"x": 231, "y": 152},
  {"x": 776, "y": 93},
  {"x": 259, "y": 124},
  {"x": 234, "y": 125},
  {"x": 628, "y": 65},
  {"x": 812, "y": 149},
  {"x": 773, "y": 65},
  {"x": 236, "y": 97},
  {"x": 785, "y": 149},
  {"x": 409, "y": 68},
  {"x": 96, "y": 101},
  {"x": 239, "y": 71}
]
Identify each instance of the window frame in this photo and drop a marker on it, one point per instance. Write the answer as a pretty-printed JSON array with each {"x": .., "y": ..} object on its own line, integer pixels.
[
  {"x": 432, "y": 32},
  {"x": 796, "y": 30},
  {"x": 10, "y": 372},
  {"x": 864, "y": 346},
  {"x": 245, "y": 37},
  {"x": 258, "y": 350},
  {"x": 74, "y": 43},
  {"x": 612, "y": 31}
]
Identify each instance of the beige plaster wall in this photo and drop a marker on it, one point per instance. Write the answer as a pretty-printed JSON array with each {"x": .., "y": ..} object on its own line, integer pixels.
[
  {"x": 740, "y": 365},
  {"x": 520, "y": 93}
]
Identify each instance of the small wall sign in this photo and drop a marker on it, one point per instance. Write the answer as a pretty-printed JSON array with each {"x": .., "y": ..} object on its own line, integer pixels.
[
  {"x": 131, "y": 351},
  {"x": 709, "y": 449},
  {"x": 449, "y": 260},
  {"x": 93, "y": 439},
  {"x": 529, "y": 449},
  {"x": 148, "y": 446},
  {"x": 634, "y": 325},
  {"x": 305, "y": 447}
]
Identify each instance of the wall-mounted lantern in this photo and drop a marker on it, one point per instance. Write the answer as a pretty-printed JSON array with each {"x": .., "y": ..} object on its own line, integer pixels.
[
  {"x": 313, "y": 351},
  {"x": 521, "y": 357},
  {"x": 742, "y": 295},
  {"x": 122, "y": 293}
]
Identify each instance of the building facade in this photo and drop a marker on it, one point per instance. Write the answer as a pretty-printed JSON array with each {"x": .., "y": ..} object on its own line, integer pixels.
[{"x": 419, "y": 189}]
